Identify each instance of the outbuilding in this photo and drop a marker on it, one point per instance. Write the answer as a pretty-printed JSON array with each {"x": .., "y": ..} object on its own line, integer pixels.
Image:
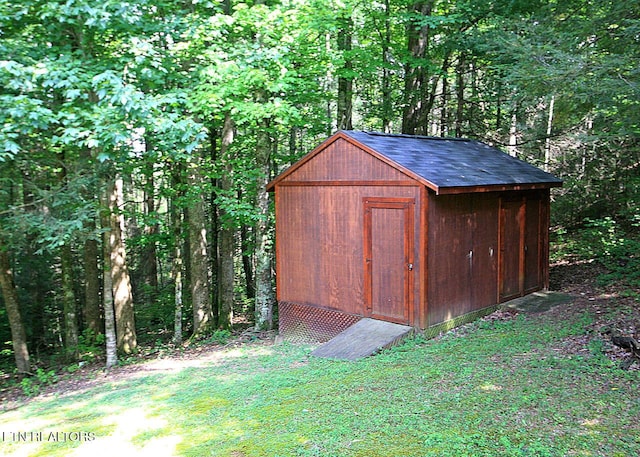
[{"x": 422, "y": 231}]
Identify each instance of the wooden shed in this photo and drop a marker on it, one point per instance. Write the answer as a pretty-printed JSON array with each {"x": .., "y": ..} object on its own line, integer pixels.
[{"x": 422, "y": 231}]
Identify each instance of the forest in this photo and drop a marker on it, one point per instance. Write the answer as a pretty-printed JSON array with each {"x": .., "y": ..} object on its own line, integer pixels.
[{"x": 138, "y": 138}]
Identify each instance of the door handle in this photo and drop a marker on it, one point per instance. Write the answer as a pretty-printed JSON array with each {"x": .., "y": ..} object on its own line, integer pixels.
[{"x": 410, "y": 266}]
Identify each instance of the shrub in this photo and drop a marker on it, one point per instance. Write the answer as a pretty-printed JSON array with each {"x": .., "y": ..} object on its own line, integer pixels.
[
  {"x": 32, "y": 386},
  {"x": 619, "y": 252}
]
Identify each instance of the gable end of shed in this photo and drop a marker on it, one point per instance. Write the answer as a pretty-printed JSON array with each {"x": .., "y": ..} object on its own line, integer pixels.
[{"x": 341, "y": 160}]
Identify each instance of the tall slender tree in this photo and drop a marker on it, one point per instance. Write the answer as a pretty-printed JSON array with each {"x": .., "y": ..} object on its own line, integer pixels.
[
  {"x": 12, "y": 305},
  {"x": 199, "y": 249},
  {"x": 92, "y": 311},
  {"x": 265, "y": 297},
  {"x": 121, "y": 283},
  {"x": 177, "y": 263},
  {"x": 346, "y": 72},
  {"x": 416, "y": 78},
  {"x": 69, "y": 303},
  {"x": 111, "y": 340},
  {"x": 226, "y": 233}
]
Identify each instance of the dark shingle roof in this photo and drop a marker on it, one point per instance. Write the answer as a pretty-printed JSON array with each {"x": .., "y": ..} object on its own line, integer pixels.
[{"x": 447, "y": 162}]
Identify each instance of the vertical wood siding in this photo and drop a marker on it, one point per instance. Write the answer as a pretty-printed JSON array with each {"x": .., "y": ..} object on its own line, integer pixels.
[
  {"x": 463, "y": 253},
  {"x": 342, "y": 161},
  {"x": 320, "y": 247},
  {"x": 524, "y": 231}
]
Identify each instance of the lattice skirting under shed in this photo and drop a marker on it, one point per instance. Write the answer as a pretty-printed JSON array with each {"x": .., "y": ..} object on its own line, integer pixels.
[{"x": 309, "y": 324}]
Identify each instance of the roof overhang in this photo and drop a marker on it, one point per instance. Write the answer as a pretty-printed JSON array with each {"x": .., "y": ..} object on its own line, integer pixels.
[{"x": 495, "y": 188}]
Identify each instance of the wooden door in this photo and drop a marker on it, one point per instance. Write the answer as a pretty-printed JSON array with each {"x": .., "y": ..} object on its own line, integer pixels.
[
  {"x": 512, "y": 224},
  {"x": 388, "y": 258},
  {"x": 533, "y": 246},
  {"x": 521, "y": 247}
]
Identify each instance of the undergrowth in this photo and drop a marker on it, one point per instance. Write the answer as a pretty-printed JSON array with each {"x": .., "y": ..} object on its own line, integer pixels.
[{"x": 605, "y": 241}]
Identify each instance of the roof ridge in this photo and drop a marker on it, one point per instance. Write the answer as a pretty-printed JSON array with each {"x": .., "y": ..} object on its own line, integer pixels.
[{"x": 408, "y": 135}]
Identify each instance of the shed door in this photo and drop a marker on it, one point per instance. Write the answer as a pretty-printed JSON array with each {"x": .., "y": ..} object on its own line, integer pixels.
[
  {"x": 520, "y": 247},
  {"x": 511, "y": 248},
  {"x": 388, "y": 258},
  {"x": 533, "y": 246}
]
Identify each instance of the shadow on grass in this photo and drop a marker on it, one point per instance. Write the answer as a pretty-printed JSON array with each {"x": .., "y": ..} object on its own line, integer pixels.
[{"x": 501, "y": 389}]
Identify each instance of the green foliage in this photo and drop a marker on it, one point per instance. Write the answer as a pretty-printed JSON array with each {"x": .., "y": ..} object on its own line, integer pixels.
[
  {"x": 29, "y": 388},
  {"x": 90, "y": 345},
  {"x": 606, "y": 241},
  {"x": 601, "y": 237},
  {"x": 619, "y": 252},
  {"x": 7, "y": 351},
  {"x": 220, "y": 337},
  {"x": 32, "y": 386},
  {"x": 623, "y": 264}
]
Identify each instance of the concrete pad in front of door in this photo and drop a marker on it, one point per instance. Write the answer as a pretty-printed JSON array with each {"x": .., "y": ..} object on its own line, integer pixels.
[
  {"x": 538, "y": 302},
  {"x": 364, "y": 338}
]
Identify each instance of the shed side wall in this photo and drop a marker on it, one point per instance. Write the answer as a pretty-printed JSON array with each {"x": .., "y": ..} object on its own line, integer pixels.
[
  {"x": 524, "y": 233},
  {"x": 476, "y": 254}
]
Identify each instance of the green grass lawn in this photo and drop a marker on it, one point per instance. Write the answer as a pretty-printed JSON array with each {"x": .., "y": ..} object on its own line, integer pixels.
[{"x": 495, "y": 388}]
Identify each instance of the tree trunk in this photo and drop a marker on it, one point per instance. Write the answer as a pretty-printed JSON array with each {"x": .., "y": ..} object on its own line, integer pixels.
[
  {"x": 444, "y": 111},
  {"x": 247, "y": 261},
  {"x": 10, "y": 296},
  {"x": 226, "y": 235},
  {"x": 473, "y": 111},
  {"x": 176, "y": 275},
  {"x": 415, "y": 80},
  {"x": 499, "y": 106},
  {"x": 121, "y": 282},
  {"x": 199, "y": 255},
  {"x": 226, "y": 247},
  {"x": 149, "y": 261},
  {"x": 547, "y": 142},
  {"x": 38, "y": 290},
  {"x": 69, "y": 317},
  {"x": 265, "y": 297},
  {"x": 107, "y": 284},
  {"x": 69, "y": 304},
  {"x": 213, "y": 210},
  {"x": 387, "y": 104},
  {"x": 178, "y": 261},
  {"x": 345, "y": 78},
  {"x": 512, "y": 149},
  {"x": 460, "y": 95},
  {"x": 91, "y": 312},
  {"x": 177, "y": 300}
]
